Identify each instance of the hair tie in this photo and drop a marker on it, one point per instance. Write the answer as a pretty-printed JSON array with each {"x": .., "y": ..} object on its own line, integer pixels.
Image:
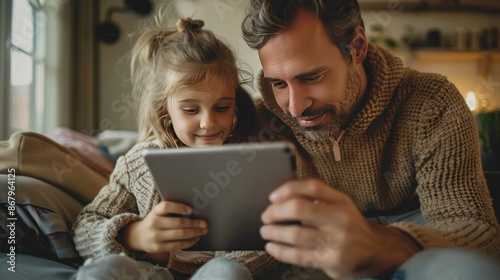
[{"x": 188, "y": 24}]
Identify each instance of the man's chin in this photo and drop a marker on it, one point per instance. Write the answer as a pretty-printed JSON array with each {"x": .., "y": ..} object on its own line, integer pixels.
[
  {"x": 316, "y": 135},
  {"x": 321, "y": 132}
]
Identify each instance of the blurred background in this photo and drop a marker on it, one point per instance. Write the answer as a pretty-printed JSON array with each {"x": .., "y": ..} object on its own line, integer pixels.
[{"x": 65, "y": 62}]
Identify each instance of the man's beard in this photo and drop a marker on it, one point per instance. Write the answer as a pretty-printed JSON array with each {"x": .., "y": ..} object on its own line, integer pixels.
[{"x": 338, "y": 119}]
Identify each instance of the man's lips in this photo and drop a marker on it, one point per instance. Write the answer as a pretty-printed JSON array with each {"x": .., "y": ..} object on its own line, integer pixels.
[
  {"x": 311, "y": 121},
  {"x": 208, "y": 137}
]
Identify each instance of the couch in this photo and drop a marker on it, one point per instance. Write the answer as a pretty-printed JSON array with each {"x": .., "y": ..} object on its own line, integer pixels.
[{"x": 45, "y": 181}]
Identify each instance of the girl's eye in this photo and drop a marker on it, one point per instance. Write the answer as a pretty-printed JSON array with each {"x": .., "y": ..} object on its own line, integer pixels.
[
  {"x": 190, "y": 111},
  {"x": 221, "y": 108},
  {"x": 278, "y": 85}
]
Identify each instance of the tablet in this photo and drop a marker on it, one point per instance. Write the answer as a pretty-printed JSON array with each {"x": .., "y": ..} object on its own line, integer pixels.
[{"x": 228, "y": 186}]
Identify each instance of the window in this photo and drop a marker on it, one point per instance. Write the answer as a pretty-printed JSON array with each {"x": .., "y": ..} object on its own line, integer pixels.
[{"x": 24, "y": 59}]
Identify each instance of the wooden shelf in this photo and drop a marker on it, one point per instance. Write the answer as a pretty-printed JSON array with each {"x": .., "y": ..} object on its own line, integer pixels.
[{"x": 445, "y": 54}]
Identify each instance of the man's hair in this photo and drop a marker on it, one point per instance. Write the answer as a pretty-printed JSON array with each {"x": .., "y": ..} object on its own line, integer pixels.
[{"x": 265, "y": 18}]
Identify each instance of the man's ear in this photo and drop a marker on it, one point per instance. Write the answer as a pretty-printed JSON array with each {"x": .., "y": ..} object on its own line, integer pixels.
[{"x": 359, "y": 46}]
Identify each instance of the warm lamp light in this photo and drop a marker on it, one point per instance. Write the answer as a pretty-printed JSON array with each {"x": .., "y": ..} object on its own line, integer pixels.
[{"x": 471, "y": 100}]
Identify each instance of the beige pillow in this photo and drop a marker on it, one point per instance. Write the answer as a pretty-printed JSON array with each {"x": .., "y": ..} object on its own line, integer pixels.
[{"x": 34, "y": 155}]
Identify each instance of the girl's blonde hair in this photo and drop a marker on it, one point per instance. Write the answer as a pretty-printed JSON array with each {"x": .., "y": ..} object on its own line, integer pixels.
[{"x": 165, "y": 61}]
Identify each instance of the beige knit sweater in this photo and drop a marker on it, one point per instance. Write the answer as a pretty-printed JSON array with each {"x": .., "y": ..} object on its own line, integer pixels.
[
  {"x": 129, "y": 197},
  {"x": 414, "y": 141}
]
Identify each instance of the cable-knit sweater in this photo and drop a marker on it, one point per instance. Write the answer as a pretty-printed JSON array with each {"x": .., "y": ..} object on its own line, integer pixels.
[
  {"x": 129, "y": 197},
  {"x": 413, "y": 143}
]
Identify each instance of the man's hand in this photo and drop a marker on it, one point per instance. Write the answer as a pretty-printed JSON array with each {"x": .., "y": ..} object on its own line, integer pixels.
[{"x": 334, "y": 235}]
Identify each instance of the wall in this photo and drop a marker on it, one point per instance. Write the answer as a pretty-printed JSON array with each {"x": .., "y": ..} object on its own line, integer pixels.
[
  {"x": 58, "y": 76},
  {"x": 224, "y": 17},
  {"x": 221, "y": 16}
]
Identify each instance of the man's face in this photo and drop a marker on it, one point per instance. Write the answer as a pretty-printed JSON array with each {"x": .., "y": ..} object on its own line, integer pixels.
[{"x": 311, "y": 80}]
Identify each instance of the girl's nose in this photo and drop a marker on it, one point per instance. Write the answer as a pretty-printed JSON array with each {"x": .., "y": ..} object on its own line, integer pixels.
[{"x": 207, "y": 121}]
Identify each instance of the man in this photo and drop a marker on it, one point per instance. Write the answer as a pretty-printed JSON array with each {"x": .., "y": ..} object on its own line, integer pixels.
[{"x": 376, "y": 140}]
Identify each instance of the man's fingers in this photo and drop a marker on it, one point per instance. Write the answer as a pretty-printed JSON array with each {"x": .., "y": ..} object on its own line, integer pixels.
[
  {"x": 306, "y": 211},
  {"x": 297, "y": 236},
  {"x": 312, "y": 189}
]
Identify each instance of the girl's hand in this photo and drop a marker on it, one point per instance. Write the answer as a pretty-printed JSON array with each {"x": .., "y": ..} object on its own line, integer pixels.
[{"x": 159, "y": 233}]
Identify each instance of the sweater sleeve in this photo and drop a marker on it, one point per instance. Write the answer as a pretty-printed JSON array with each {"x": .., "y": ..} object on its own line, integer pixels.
[
  {"x": 97, "y": 226},
  {"x": 453, "y": 194}
]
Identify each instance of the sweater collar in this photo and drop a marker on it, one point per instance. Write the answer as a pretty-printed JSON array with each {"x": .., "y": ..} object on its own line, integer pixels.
[{"x": 384, "y": 71}]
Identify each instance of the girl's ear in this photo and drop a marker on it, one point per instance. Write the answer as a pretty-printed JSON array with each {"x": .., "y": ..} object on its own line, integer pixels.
[
  {"x": 235, "y": 119},
  {"x": 359, "y": 46},
  {"x": 167, "y": 122}
]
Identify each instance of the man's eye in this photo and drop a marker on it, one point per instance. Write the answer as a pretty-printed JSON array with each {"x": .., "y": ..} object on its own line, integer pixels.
[
  {"x": 190, "y": 111},
  {"x": 278, "y": 84},
  {"x": 313, "y": 78},
  {"x": 221, "y": 108}
]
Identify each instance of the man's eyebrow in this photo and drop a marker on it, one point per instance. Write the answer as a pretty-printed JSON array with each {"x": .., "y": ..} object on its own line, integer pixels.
[
  {"x": 300, "y": 76},
  {"x": 312, "y": 72},
  {"x": 270, "y": 80}
]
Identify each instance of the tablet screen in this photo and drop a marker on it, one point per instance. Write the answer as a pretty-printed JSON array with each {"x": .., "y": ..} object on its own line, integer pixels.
[{"x": 226, "y": 185}]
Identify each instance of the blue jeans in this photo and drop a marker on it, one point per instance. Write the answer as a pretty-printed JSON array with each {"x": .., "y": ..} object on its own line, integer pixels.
[{"x": 118, "y": 267}]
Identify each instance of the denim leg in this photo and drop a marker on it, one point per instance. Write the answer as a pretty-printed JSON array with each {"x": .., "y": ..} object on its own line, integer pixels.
[
  {"x": 118, "y": 267},
  {"x": 222, "y": 268},
  {"x": 449, "y": 264},
  {"x": 442, "y": 263}
]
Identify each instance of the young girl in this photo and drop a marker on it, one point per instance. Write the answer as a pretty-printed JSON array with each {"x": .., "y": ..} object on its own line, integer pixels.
[{"x": 189, "y": 94}]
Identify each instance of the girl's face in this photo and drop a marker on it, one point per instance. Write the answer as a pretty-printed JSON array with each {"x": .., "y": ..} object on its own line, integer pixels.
[{"x": 203, "y": 117}]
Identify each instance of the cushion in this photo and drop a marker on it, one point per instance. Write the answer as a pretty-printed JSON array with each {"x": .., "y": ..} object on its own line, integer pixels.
[
  {"x": 35, "y": 155},
  {"x": 28, "y": 267},
  {"x": 42, "y": 215}
]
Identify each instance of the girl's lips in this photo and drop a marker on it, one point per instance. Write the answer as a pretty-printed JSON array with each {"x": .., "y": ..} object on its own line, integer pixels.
[
  {"x": 208, "y": 137},
  {"x": 311, "y": 121}
]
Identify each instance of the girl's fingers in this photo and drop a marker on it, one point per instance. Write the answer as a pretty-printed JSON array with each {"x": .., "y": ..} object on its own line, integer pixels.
[
  {"x": 169, "y": 207},
  {"x": 172, "y": 245},
  {"x": 179, "y": 234},
  {"x": 167, "y": 223}
]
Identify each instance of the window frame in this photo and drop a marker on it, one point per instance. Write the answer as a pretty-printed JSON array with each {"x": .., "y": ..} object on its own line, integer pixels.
[
  {"x": 37, "y": 87},
  {"x": 5, "y": 28}
]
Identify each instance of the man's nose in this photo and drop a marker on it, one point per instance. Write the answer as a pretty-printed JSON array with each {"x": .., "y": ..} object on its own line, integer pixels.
[{"x": 299, "y": 100}]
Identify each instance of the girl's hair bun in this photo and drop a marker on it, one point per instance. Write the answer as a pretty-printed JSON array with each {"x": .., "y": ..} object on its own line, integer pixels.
[{"x": 188, "y": 24}]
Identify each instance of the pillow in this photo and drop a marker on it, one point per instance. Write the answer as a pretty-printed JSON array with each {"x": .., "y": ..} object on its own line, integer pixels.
[
  {"x": 118, "y": 142},
  {"x": 35, "y": 155},
  {"x": 85, "y": 146}
]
